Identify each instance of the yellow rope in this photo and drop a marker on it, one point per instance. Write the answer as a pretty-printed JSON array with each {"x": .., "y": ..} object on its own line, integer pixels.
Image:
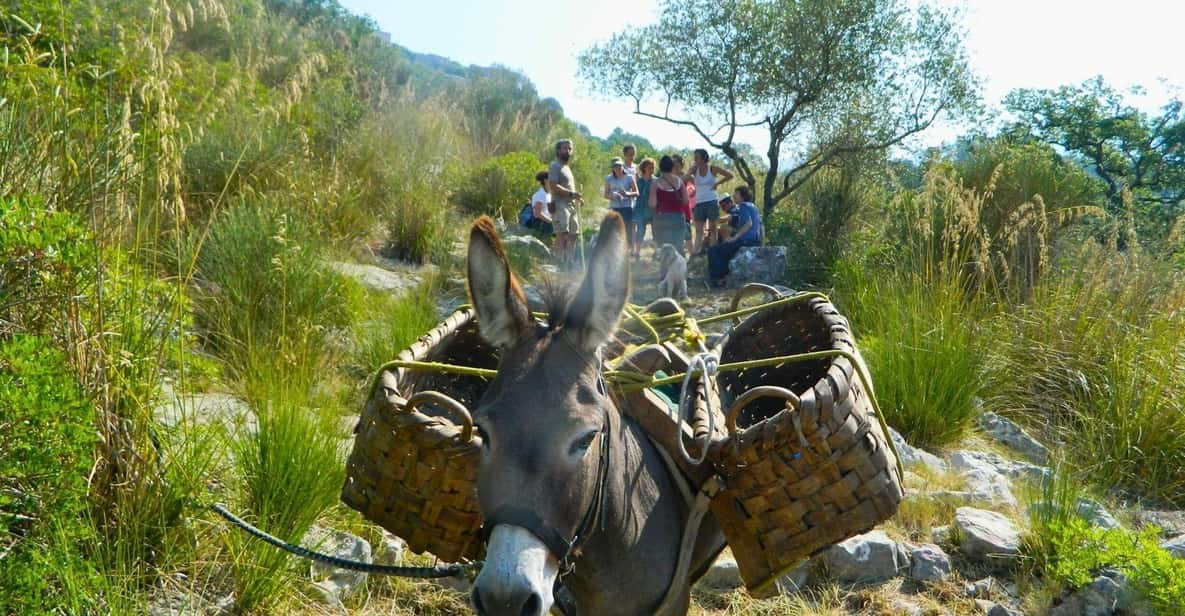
[{"x": 631, "y": 380}]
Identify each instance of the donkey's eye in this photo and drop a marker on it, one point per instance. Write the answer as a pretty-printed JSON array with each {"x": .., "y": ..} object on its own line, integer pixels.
[
  {"x": 485, "y": 438},
  {"x": 583, "y": 443}
]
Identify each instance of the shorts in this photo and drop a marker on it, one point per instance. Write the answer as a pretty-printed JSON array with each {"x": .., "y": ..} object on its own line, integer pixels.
[
  {"x": 626, "y": 213},
  {"x": 669, "y": 228},
  {"x": 565, "y": 219},
  {"x": 706, "y": 210}
]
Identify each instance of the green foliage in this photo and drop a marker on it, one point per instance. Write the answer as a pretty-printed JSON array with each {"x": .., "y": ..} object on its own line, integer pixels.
[
  {"x": 817, "y": 234},
  {"x": 501, "y": 185},
  {"x": 1092, "y": 361},
  {"x": 48, "y": 439},
  {"x": 1070, "y": 551},
  {"x": 46, "y": 257},
  {"x": 292, "y": 471},
  {"x": 832, "y": 78},
  {"x": 919, "y": 339},
  {"x": 265, "y": 287},
  {"x": 1128, "y": 149},
  {"x": 387, "y": 325}
]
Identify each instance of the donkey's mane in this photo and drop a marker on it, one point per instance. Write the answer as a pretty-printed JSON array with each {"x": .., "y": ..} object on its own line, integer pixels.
[{"x": 557, "y": 298}]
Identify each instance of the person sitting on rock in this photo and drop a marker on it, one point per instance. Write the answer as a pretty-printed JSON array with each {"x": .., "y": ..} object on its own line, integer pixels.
[{"x": 748, "y": 233}]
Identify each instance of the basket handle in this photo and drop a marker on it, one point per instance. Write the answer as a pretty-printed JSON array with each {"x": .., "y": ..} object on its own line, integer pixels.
[
  {"x": 752, "y": 288},
  {"x": 450, "y": 404},
  {"x": 762, "y": 391}
]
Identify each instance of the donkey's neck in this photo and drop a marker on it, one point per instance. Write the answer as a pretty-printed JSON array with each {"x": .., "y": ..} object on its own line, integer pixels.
[{"x": 628, "y": 564}]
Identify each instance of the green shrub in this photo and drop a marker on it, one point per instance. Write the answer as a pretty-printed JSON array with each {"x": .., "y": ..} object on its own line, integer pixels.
[
  {"x": 408, "y": 162},
  {"x": 500, "y": 186},
  {"x": 816, "y": 235},
  {"x": 387, "y": 325},
  {"x": 48, "y": 438},
  {"x": 263, "y": 286},
  {"x": 292, "y": 470},
  {"x": 46, "y": 259},
  {"x": 1093, "y": 362},
  {"x": 1070, "y": 551},
  {"x": 922, "y": 348}
]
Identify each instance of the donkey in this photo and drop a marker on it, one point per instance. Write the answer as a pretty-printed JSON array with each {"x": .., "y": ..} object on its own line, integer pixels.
[{"x": 573, "y": 493}]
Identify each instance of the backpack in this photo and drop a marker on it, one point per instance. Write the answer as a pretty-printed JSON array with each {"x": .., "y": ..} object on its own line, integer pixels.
[{"x": 526, "y": 215}]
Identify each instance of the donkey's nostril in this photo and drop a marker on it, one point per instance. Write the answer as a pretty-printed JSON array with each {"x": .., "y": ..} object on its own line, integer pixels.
[
  {"x": 475, "y": 597},
  {"x": 533, "y": 606}
]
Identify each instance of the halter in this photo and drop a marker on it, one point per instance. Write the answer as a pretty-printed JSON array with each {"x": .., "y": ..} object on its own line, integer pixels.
[{"x": 566, "y": 551}]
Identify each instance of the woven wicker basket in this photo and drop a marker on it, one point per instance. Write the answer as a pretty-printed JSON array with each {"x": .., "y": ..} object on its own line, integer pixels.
[
  {"x": 806, "y": 463},
  {"x": 414, "y": 463}
]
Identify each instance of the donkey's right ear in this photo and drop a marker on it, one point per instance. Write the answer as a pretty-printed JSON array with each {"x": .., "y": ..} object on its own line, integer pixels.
[{"x": 502, "y": 314}]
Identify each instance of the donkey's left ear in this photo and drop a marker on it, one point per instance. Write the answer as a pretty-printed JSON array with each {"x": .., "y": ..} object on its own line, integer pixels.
[
  {"x": 502, "y": 314},
  {"x": 594, "y": 311}
]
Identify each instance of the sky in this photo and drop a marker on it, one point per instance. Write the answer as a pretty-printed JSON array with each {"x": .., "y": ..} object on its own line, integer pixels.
[{"x": 1011, "y": 44}]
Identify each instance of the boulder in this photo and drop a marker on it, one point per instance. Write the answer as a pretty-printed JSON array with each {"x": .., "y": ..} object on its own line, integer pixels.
[
  {"x": 1175, "y": 546},
  {"x": 987, "y": 535},
  {"x": 929, "y": 563},
  {"x": 871, "y": 557},
  {"x": 1012, "y": 435},
  {"x": 1170, "y": 523},
  {"x": 757, "y": 264},
  {"x": 378, "y": 278},
  {"x": 1099, "y": 598},
  {"x": 527, "y": 246},
  {"x": 393, "y": 550},
  {"x": 723, "y": 574},
  {"x": 964, "y": 460},
  {"x": 911, "y": 456},
  {"x": 335, "y": 584}
]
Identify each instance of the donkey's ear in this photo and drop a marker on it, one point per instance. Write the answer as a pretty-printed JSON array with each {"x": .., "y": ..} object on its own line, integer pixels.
[
  {"x": 502, "y": 314},
  {"x": 594, "y": 311}
]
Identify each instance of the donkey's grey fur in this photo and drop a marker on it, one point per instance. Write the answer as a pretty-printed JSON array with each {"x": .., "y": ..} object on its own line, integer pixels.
[{"x": 540, "y": 419}]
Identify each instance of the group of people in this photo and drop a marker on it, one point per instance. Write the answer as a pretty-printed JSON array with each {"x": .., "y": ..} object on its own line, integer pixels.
[{"x": 672, "y": 204}]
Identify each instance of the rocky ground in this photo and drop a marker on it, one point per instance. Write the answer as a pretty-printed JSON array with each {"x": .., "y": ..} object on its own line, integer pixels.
[{"x": 954, "y": 547}]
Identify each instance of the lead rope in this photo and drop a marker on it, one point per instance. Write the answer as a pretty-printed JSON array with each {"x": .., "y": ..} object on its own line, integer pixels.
[
  {"x": 455, "y": 570},
  {"x": 709, "y": 365}
]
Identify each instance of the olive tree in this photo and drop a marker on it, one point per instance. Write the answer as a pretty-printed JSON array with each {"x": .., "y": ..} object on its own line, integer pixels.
[{"x": 824, "y": 78}]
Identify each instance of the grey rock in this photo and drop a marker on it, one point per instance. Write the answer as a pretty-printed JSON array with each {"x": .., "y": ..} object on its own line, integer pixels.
[
  {"x": 1013, "y": 436},
  {"x": 526, "y": 245},
  {"x": 1099, "y": 598},
  {"x": 964, "y": 460},
  {"x": 1170, "y": 523},
  {"x": 912, "y": 456},
  {"x": 1002, "y": 610},
  {"x": 379, "y": 278},
  {"x": 929, "y": 563},
  {"x": 393, "y": 550},
  {"x": 901, "y": 605},
  {"x": 460, "y": 583},
  {"x": 203, "y": 409},
  {"x": 178, "y": 602},
  {"x": 870, "y": 557},
  {"x": 757, "y": 264},
  {"x": 990, "y": 487},
  {"x": 984, "y": 606},
  {"x": 1175, "y": 546},
  {"x": 724, "y": 573},
  {"x": 987, "y": 535},
  {"x": 940, "y": 535},
  {"x": 335, "y": 584}
]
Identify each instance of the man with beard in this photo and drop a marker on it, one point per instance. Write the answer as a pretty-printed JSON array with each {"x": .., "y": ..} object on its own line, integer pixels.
[{"x": 564, "y": 196}]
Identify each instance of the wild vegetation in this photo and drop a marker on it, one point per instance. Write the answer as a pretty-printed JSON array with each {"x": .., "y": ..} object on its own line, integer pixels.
[{"x": 177, "y": 179}]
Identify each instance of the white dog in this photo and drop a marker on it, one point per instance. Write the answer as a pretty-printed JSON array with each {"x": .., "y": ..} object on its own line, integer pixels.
[{"x": 672, "y": 273}]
